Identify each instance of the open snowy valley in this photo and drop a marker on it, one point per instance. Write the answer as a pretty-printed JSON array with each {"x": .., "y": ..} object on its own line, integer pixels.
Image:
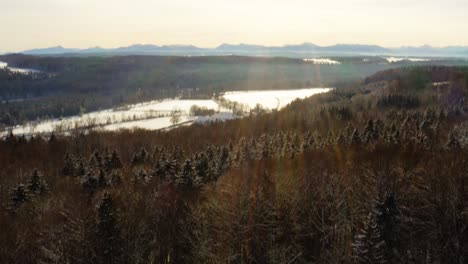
[{"x": 168, "y": 113}]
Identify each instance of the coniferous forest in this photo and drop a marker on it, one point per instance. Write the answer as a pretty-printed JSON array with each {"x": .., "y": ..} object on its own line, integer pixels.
[{"x": 375, "y": 171}]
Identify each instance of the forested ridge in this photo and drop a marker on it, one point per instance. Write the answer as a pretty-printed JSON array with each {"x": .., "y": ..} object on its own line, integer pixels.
[{"x": 373, "y": 172}]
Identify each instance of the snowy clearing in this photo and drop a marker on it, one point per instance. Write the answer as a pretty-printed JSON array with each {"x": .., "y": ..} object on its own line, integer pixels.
[
  {"x": 17, "y": 70},
  {"x": 154, "y": 115},
  {"x": 398, "y": 59},
  {"x": 173, "y": 105},
  {"x": 322, "y": 61},
  {"x": 272, "y": 99}
]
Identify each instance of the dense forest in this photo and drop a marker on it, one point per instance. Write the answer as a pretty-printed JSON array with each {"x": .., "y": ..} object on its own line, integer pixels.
[
  {"x": 373, "y": 172},
  {"x": 72, "y": 85}
]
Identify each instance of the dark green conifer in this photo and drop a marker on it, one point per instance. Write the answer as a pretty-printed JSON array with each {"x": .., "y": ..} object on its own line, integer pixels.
[
  {"x": 36, "y": 184},
  {"x": 108, "y": 242}
]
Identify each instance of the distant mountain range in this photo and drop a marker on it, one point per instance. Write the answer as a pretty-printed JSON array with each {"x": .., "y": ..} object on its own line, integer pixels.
[{"x": 300, "y": 50}]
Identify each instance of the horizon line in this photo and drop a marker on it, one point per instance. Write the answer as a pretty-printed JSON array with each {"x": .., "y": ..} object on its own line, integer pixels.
[{"x": 240, "y": 43}]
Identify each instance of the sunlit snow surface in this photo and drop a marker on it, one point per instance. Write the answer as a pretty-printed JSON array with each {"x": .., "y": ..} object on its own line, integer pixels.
[
  {"x": 174, "y": 105},
  {"x": 322, "y": 61},
  {"x": 398, "y": 59},
  {"x": 17, "y": 70},
  {"x": 272, "y": 99},
  {"x": 149, "y": 124},
  {"x": 156, "y": 115}
]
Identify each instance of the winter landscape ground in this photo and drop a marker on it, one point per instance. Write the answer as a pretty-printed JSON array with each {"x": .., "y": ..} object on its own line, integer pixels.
[{"x": 237, "y": 132}]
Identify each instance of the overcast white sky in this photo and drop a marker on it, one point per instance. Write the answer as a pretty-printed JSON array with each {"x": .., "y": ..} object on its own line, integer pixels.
[{"x": 26, "y": 24}]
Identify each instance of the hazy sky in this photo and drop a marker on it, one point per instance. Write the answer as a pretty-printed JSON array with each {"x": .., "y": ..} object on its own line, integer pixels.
[{"x": 26, "y": 24}]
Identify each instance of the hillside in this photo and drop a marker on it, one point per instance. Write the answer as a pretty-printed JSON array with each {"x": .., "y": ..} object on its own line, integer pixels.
[
  {"x": 372, "y": 172},
  {"x": 69, "y": 85}
]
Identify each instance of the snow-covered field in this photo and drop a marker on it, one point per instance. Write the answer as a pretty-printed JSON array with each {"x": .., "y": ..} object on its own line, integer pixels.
[
  {"x": 398, "y": 59},
  {"x": 322, "y": 61},
  {"x": 154, "y": 115},
  {"x": 17, "y": 70},
  {"x": 173, "y": 105},
  {"x": 272, "y": 99}
]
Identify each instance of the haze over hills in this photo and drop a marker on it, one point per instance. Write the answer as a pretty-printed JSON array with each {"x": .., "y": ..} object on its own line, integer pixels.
[{"x": 298, "y": 50}]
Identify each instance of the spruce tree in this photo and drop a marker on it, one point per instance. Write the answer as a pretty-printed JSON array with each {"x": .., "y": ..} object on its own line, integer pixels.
[
  {"x": 187, "y": 176},
  {"x": 202, "y": 167},
  {"x": 355, "y": 137},
  {"x": 115, "y": 162},
  {"x": 36, "y": 184},
  {"x": 18, "y": 196},
  {"x": 453, "y": 142},
  {"x": 102, "y": 179},
  {"x": 115, "y": 178},
  {"x": 223, "y": 158},
  {"x": 368, "y": 245},
  {"x": 158, "y": 170},
  {"x": 388, "y": 219},
  {"x": 80, "y": 168},
  {"x": 108, "y": 244},
  {"x": 171, "y": 167},
  {"x": 90, "y": 183},
  {"x": 369, "y": 133},
  {"x": 69, "y": 166},
  {"x": 95, "y": 161}
]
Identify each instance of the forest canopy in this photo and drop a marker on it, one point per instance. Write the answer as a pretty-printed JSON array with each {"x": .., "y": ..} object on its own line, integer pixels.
[{"x": 373, "y": 172}]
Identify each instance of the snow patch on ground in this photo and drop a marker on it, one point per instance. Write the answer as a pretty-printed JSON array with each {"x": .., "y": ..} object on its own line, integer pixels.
[
  {"x": 17, "y": 70},
  {"x": 173, "y": 105},
  {"x": 154, "y": 115},
  {"x": 149, "y": 124},
  {"x": 398, "y": 59},
  {"x": 271, "y": 99},
  {"x": 322, "y": 61}
]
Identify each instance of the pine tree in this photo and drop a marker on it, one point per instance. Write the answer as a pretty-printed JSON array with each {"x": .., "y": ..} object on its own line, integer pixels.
[
  {"x": 293, "y": 145},
  {"x": 69, "y": 166},
  {"x": 108, "y": 246},
  {"x": 18, "y": 196},
  {"x": 262, "y": 147},
  {"x": 115, "y": 162},
  {"x": 369, "y": 133},
  {"x": 330, "y": 139},
  {"x": 202, "y": 167},
  {"x": 95, "y": 161},
  {"x": 141, "y": 177},
  {"x": 158, "y": 170},
  {"x": 171, "y": 167},
  {"x": 112, "y": 162},
  {"x": 90, "y": 183},
  {"x": 36, "y": 184},
  {"x": 102, "y": 179},
  {"x": 355, "y": 137},
  {"x": 223, "y": 158},
  {"x": 341, "y": 139},
  {"x": 453, "y": 142},
  {"x": 368, "y": 245},
  {"x": 80, "y": 168},
  {"x": 52, "y": 138},
  {"x": 140, "y": 157},
  {"x": 187, "y": 176},
  {"x": 307, "y": 141},
  {"x": 388, "y": 219},
  {"x": 115, "y": 178},
  {"x": 394, "y": 135}
]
